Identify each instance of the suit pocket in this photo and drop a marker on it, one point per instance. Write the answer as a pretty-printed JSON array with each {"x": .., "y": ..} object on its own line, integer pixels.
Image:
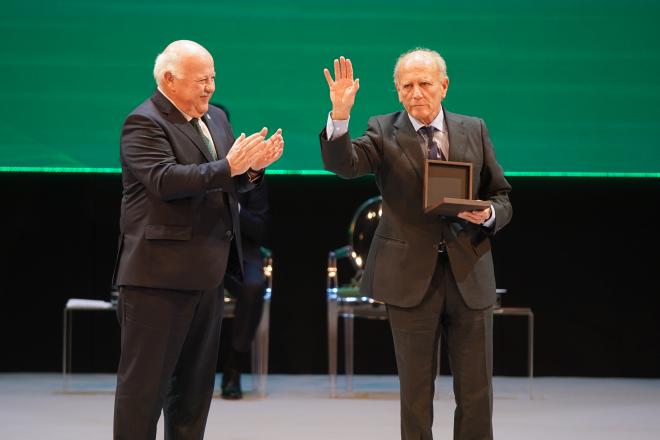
[
  {"x": 391, "y": 240},
  {"x": 165, "y": 232}
]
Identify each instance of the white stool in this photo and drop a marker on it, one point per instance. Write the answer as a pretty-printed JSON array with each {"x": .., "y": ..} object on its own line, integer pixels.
[{"x": 72, "y": 305}]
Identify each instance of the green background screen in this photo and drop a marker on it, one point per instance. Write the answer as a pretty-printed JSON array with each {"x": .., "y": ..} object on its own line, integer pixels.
[{"x": 564, "y": 86}]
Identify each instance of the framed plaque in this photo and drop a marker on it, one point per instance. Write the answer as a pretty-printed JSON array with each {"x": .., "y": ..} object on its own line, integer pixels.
[{"x": 448, "y": 188}]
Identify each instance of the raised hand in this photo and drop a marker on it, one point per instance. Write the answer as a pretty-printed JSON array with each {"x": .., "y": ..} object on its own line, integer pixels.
[{"x": 342, "y": 89}]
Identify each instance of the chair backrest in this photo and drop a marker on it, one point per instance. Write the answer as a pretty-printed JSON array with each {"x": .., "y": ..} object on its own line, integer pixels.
[{"x": 362, "y": 228}]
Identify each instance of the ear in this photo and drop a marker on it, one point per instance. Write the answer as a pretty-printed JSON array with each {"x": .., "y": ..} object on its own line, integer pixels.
[
  {"x": 398, "y": 93},
  {"x": 168, "y": 79},
  {"x": 445, "y": 85}
]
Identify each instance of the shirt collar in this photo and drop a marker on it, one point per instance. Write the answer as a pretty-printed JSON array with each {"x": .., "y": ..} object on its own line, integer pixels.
[
  {"x": 438, "y": 122},
  {"x": 185, "y": 115}
]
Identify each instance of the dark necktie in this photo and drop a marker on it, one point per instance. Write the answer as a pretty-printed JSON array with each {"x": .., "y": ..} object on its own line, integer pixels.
[
  {"x": 434, "y": 152},
  {"x": 207, "y": 141}
]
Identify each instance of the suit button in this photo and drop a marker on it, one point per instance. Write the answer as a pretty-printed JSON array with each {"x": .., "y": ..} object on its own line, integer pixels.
[{"x": 229, "y": 234}]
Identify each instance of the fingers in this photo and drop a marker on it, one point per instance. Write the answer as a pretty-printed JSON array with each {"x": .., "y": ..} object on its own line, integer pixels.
[
  {"x": 241, "y": 154},
  {"x": 251, "y": 143},
  {"x": 343, "y": 70},
  {"x": 349, "y": 69},
  {"x": 243, "y": 148},
  {"x": 467, "y": 215},
  {"x": 328, "y": 78},
  {"x": 264, "y": 132},
  {"x": 476, "y": 217},
  {"x": 276, "y": 136},
  {"x": 242, "y": 139},
  {"x": 269, "y": 152}
]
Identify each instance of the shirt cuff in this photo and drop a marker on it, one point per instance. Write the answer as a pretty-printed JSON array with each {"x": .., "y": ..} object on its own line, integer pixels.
[
  {"x": 336, "y": 128},
  {"x": 491, "y": 221},
  {"x": 254, "y": 176}
]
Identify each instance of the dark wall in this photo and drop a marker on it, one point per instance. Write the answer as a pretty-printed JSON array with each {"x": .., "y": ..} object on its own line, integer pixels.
[{"x": 583, "y": 253}]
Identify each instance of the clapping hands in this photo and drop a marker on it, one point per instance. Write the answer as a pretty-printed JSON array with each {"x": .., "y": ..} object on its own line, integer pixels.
[{"x": 255, "y": 151}]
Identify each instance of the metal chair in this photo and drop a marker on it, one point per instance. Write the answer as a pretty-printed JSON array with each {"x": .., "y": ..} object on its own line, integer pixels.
[{"x": 259, "y": 344}]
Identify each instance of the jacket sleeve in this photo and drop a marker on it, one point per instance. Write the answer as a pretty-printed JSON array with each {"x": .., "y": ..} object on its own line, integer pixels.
[
  {"x": 353, "y": 158},
  {"x": 146, "y": 152},
  {"x": 494, "y": 186}
]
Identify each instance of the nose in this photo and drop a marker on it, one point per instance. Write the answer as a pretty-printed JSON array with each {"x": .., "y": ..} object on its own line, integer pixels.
[
  {"x": 209, "y": 87},
  {"x": 417, "y": 92}
]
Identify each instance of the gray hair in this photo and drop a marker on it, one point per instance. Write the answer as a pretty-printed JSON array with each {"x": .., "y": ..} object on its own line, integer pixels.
[
  {"x": 435, "y": 56},
  {"x": 170, "y": 59}
]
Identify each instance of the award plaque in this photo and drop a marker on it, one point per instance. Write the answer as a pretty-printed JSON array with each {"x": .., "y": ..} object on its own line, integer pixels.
[{"x": 448, "y": 188}]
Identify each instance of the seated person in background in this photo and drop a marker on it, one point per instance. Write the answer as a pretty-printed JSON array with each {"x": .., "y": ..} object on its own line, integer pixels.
[{"x": 249, "y": 292}]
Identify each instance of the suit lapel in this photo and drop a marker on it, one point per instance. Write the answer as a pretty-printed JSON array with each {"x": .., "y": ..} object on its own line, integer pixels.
[
  {"x": 457, "y": 137},
  {"x": 177, "y": 119},
  {"x": 407, "y": 139}
]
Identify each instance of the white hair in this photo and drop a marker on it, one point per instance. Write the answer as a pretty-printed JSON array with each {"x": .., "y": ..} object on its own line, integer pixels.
[
  {"x": 435, "y": 56},
  {"x": 170, "y": 59}
]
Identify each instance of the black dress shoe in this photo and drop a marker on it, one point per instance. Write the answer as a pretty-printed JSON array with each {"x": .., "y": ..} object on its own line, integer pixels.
[{"x": 231, "y": 385}]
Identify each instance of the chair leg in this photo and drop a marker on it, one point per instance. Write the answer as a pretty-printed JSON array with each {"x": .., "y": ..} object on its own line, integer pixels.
[
  {"x": 66, "y": 343},
  {"x": 67, "y": 347},
  {"x": 332, "y": 345},
  {"x": 348, "y": 351},
  {"x": 260, "y": 353},
  {"x": 530, "y": 350},
  {"x": 263, "y": 369}
]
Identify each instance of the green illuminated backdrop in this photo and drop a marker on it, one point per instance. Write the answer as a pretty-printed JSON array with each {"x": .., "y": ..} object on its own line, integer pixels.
[{"x": 564, "y": 86}]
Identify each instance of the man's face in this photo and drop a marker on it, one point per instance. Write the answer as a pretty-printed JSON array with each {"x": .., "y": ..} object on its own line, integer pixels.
[
  {"x": 421, "y": 88},
  {"x": 192, "y": 90}
]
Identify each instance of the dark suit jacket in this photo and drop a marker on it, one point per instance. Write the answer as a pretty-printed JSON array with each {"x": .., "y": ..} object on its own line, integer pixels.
[
  {"x": 179, "y": 212},
  {"x": 403, "y": 253}
]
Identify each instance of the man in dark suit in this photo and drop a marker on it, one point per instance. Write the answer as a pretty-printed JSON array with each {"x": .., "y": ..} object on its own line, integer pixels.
[
  {"x": 181, "y": 172},
  {"x": 434, "y": 273}
]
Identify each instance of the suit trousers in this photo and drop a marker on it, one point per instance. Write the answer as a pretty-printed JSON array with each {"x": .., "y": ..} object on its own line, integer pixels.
[
  {"x": 249, "y": 294},
  {"x": 469, "y": 338},
  {"x": 169, "y": 353}
]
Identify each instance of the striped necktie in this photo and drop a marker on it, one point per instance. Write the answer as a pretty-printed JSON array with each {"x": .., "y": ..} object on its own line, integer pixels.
[
  {"x": 195, "y": 122},
  {"x": 434, "y": 152}
]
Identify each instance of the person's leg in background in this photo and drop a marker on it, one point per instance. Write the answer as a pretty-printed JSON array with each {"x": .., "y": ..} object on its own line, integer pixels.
[{"x": 249, "y": 304}]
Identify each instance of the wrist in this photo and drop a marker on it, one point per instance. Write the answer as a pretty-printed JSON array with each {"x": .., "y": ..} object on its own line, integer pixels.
[
  {"x": 254, "y": 175},
  {"x": 339, "y": 115}
]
